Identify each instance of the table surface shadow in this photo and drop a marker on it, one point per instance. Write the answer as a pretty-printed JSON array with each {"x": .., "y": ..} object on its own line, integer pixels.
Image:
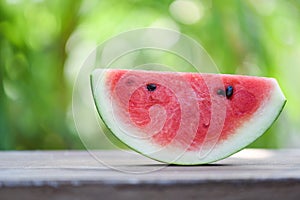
[{"x": 249, "y": 174}]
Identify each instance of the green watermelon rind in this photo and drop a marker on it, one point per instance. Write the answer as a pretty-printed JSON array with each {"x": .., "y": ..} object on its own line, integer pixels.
[
  {"x": 103, "y": 120},
  {"x": 98, "y": 107}
]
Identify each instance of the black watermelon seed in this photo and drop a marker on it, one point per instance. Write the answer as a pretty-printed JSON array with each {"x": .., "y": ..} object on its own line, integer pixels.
[
  {"x": 151, "y": 87},
  {"x": 229, "y": 91}
]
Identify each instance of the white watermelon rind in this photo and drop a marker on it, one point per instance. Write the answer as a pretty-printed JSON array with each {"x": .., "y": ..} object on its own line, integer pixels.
[{"x": 264, "y": 118}]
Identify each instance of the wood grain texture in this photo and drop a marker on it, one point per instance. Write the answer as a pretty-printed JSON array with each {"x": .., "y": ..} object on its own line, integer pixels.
[{"x": 249, "y": 174}]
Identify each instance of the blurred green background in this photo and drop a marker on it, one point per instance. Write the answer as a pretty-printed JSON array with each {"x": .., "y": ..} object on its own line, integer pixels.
[{"x": 43, "y": 44}]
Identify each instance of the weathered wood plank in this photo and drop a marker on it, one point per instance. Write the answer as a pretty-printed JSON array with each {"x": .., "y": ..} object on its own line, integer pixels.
[{"x": 252, "y": 173}]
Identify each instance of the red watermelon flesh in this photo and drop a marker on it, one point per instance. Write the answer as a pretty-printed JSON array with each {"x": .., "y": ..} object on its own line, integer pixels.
[{"x": 185, "y": 112}]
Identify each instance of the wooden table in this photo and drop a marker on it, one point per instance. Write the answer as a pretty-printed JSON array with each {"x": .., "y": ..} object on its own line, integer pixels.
[{"x": 250, "y": 174}]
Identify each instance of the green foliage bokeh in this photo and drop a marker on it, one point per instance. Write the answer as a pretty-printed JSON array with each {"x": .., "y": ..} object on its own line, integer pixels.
[{"x": 41, "y": 41}]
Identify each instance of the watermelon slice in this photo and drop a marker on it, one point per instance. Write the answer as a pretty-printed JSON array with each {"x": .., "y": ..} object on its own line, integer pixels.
[{"x": 185, "y": 118}]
